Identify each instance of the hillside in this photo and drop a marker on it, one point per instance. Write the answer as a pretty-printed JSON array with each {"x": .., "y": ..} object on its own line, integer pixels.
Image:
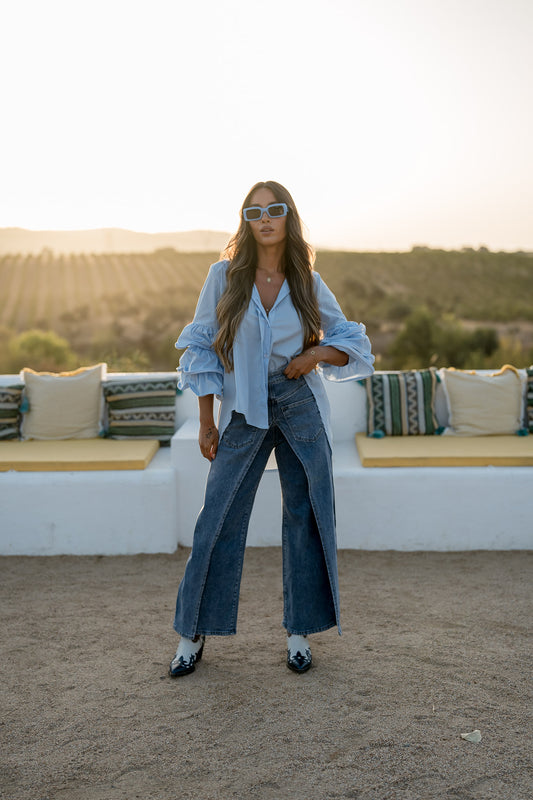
[
  {"x": 472, "y": 284},
  {"x": 108, "y": 240},
  {"x": 128, "y": 308}
]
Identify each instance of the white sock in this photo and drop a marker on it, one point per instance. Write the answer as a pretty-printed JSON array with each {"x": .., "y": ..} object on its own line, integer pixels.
[
  {"x": 297, "y": 643},
  {"x": 187, "y": 648}
]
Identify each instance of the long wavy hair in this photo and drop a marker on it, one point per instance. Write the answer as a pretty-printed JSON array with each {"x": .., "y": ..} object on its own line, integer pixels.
[{"x": 298, "y": 260}]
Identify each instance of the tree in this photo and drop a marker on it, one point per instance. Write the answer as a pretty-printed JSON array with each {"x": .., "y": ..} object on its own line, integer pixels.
[{"x": 415, "y": 345}]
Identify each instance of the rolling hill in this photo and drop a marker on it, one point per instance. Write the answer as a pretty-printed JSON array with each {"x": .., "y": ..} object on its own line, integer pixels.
[{"x": 108, "y": 240}]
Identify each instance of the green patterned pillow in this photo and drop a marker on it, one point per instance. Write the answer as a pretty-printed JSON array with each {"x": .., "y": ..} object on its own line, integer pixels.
[
  {"x": 142, "y": 409},
  {"x": 529, "y": 399},
  {"x": 402, "y": 403},
  {"x": 10, "y": 402}
]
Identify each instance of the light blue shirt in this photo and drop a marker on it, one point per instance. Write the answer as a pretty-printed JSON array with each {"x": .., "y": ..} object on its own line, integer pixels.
[{"x": 265, "y": 343}]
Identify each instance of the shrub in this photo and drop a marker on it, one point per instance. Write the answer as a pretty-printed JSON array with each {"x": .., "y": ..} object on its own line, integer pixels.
[
  {"x": 40, "y": 350},
  {"x": 425, "y": 339}
]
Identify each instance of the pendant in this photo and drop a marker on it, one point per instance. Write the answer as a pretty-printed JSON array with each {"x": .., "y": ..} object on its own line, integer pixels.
[{"x": 269, "y": 280}]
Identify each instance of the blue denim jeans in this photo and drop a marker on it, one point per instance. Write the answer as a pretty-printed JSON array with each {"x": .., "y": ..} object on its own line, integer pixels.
[{"x": 208, "y": 595}]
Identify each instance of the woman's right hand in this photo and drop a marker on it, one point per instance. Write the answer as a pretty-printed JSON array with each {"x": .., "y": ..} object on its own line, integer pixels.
[{"x": 208, "y": 440}]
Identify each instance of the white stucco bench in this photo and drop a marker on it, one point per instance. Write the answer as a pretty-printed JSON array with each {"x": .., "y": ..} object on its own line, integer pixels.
[
  {"x": 109, "y": 512},
  {"x": 399, "y": 508},
  {"x": 154, "y": 509}
]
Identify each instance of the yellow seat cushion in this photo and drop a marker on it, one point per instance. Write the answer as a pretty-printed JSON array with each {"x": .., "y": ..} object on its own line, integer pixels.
[
  {"x": 445, "y": 451},
  {"x": 76, "y": 454}
]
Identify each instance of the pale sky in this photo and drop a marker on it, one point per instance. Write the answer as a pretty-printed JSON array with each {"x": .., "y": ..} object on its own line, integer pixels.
[{"x": 392, "y": 122}]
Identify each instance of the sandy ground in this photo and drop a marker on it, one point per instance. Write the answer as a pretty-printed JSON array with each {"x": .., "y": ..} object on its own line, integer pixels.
[{"x": 434, "y": 645}]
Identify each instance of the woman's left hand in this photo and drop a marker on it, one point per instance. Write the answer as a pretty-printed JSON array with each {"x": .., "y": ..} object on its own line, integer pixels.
[{"x": 302, "y": 364}]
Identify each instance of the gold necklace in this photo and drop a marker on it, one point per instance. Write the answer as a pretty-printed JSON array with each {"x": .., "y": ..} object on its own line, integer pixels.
[{"x": 268, "y": 277}]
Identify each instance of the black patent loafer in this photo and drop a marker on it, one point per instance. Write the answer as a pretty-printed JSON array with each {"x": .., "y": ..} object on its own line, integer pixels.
[
  {"x": 181, "y": 666},
  {"x": 299, "y": 662}
]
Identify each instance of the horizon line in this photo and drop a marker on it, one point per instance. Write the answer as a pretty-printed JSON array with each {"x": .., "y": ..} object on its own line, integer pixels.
[{"x": 316, "y": 246}]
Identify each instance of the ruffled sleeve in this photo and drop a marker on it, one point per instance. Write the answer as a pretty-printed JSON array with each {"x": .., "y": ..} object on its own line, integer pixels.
[
  {"x": 200, "y": 369},
  {"x": 350, "y": 337}
]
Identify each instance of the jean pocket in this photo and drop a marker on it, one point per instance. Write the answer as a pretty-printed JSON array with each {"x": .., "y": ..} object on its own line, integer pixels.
[
  {"x": 303, "y": 418},
  {"x": 238, "y": 433}
]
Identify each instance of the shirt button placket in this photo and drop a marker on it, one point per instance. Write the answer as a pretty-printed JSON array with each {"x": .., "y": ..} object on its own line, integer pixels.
[{"x": 266, "y": 342}]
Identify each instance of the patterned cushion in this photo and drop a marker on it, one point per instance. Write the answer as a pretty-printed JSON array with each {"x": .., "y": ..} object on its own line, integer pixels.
[
  {"x": 10, "y": 400},
  {"x": 529, "y": 399},
  {"x": 401, "y": 403},
  {"x": 142, "y": 408}
]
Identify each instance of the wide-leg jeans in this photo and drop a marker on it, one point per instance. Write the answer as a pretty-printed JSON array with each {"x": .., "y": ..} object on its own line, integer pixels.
[{"x": 208, "y": 595}]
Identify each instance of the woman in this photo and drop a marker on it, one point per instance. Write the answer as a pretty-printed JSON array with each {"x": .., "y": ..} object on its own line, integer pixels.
[{"x": 263, "y": 324}]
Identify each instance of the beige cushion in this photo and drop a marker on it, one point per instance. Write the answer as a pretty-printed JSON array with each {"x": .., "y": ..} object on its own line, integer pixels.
[
  {"x": 76, "y": 454},
  {"x": 483, "y": 405},
  {"x": 445, "y": 451},
  {"x": 65, "y": 405}
]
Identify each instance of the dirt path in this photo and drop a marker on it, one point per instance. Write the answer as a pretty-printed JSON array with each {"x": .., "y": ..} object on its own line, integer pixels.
[{"x": 433, "y": 645}]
